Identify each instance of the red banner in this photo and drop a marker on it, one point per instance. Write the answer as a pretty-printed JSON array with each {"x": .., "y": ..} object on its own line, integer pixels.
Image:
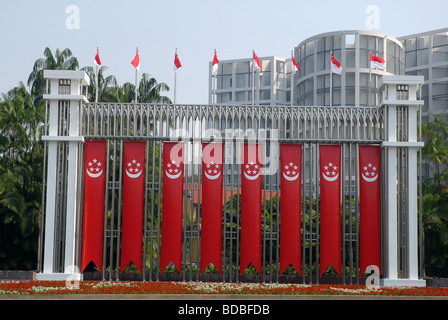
[
  {"x": 133, "y": 203},
  {"x": 94, "y": 193},
  {"x": 330, "y": 207},
  {"x": 211, "y": 224},
  {"x": 290, "y": 201},
  {"x": 251, "y": 207},
  {"x": 369, "y": 216},
  {"x": 172, "y": 204}
]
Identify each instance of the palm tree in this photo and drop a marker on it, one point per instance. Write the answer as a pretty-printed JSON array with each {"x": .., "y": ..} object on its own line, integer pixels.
[
  {"x": 150, "y": 91},
  {"x": 106, "y": 85},
  {"x": 61, "y": 60}
]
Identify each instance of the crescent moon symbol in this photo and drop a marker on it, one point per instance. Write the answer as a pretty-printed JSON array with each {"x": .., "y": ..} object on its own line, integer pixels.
[
  {"x": 212, "y": 177},
  {"x": 329, "y": 178},
  {"x": 290, "y": 178},
  {"x": 369, "y": 179},
  {"x": 94, "y": 175},
  {"x": 250, "y": 177},
  {"x": 173, "y": 176},
  {"x": 133, "y": 175}
]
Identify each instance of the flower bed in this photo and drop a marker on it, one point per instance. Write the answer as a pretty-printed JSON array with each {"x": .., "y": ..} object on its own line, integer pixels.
[{"x": 145, "y": 287}]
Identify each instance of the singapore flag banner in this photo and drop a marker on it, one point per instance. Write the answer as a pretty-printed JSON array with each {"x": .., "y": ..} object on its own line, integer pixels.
[
  {"x": 172, "y": 204},
  {"x": 251, "y": 192},
  {"x": 133, "y": 203},
  {"x": 212, "y": 201},
  {"x": 290, "y": 201},
  {"x": 93, "y": 211},
  {"x": 369, "y": 206},
  {"x": 330, "y": 200}
]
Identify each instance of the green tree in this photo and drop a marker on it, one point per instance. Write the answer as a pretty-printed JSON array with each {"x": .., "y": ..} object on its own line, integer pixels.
[
  {"x": 435, "y": 196},
  {"x": 61, "y": 60},
  {"x": 21, "y": 156}
]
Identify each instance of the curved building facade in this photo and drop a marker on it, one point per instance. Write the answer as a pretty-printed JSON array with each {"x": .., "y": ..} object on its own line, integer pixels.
[{"x": 358, "y": 83}]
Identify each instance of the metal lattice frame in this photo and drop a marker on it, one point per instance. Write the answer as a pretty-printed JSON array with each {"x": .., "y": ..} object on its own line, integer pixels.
[{"x": 309, "y": 126}]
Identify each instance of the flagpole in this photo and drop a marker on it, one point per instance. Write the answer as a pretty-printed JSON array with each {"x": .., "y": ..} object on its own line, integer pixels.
[
  {"x": 253, "y": 78},
  {"x": 331, "y": 82},
  {"x": 96, "y": 83},
  {"x": 214, "y": 76},
  {"x": 370, "y": 77},
  {"x": 292, "y": 80},
  {"x": 175, "y": 82},
  {"x": 136, "y": 86}
]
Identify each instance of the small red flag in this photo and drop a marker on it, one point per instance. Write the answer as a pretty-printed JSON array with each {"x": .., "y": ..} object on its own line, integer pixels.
[
  {"x": 211, "y": 225},
  {"x": 93, "y": 212},
  {"x": 257, "y": 63},
  {"x": 335, "y": 65},
  {"x": 97, "y": 60},
  {"x": 215, "y": 63},
  {"x": 295, "y": 67},
  {"x": 177, "y": 63},
  {"x": 251, "y": 207},
  {"x": 133, "y": 203},
  {"x": 330, "y": 216},
  {"x": 172, "y": 204},
  {"x": 136, "y": 61}
]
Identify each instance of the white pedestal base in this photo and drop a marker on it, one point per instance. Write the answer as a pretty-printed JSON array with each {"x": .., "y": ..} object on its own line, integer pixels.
[
  {"x": 403, "y": 282},
  {"x": 59, "y": 276}
]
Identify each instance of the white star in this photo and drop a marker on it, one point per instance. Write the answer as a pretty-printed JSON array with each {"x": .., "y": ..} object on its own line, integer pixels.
[
  {"x": 90, "y": 164},
  {"x": 129, "y": 164},
  {"x": 94, "y": 160},
  {"x": 134, "y": 161},
  {"x": 369, "y": 164}
]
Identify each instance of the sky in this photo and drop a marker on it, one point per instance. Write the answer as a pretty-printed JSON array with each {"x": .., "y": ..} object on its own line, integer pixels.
[{"x": 195, "y": 27}]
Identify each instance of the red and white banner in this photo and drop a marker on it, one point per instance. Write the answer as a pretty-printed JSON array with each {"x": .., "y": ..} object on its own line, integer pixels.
[
  {"x": 377, "y": 62},
  {"x": 215, "y": 64},
  {"x": 172, "y": 204},
  {"x": 251, "y": 192},
  {"x": 330, "y": 207},
  {"x": 294, "y": 67},
  {"x": 256, "y": 62},
  {"x": 290, "y": 201},
  {"x": 93, "y": 212},
  {"x": 211, "y": 224},
  {"x": 335, "y": 65},
  {"x": 369, "y": 216},
  {"x": 133, "y": 203}
]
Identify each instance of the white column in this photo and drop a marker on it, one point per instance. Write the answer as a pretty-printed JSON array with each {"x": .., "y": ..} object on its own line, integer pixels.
[
  {"x": 74, "y": 98},
  {"x": 390, "y": 145}
]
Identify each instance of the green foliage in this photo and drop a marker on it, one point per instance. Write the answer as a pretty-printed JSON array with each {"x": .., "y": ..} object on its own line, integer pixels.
[
  {"x": 435, "y": 197},
  {"x": 22, "y": 115}
]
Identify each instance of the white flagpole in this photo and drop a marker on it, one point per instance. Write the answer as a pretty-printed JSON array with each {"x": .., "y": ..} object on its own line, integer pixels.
[
  {"x": 136, "y": 85},
  {"x": 331, "y": 81},
  {"x": 96, "y": 78},
  {"x": 253, "y": 79},
  {"x": 292, "y": 79},
  {"x": 370, "y": 78},
  {"x": 175, "y": 82},
  {"x": 214, "y": 76}
]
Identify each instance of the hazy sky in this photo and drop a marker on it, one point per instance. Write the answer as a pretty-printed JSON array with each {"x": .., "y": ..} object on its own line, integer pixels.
[{"x": 195, "y": 27}]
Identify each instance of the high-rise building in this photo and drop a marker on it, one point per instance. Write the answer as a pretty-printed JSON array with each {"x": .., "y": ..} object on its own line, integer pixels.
[
  {"x": 419, "y": 54},
  {"x": 426, "y": 54}
]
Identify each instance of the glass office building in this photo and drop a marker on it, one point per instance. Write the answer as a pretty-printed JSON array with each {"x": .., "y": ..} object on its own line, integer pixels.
[
  {"x": 426, "y": 54},
  {"x": 423, "y": 54},
  {"x": 357, "y": 85}
]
